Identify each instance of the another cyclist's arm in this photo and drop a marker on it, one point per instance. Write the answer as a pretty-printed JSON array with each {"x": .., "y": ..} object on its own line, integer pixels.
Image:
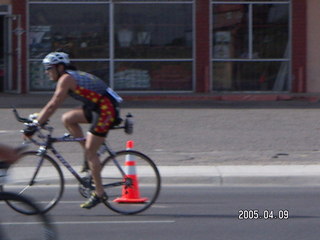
[
  {"x": 8, "y": 154},
  {"x": 65, "y": 83}
]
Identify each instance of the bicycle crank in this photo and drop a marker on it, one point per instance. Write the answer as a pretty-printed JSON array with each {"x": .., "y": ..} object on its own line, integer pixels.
[{"x": 86, "y": 188}]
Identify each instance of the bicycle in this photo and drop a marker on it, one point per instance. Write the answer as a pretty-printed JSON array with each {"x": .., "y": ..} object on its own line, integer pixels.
[
  {"x": 131, "y": 186},
  {"x": 34, "y": 227}
]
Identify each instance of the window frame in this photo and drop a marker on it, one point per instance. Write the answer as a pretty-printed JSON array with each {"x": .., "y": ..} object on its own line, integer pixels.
[
  {"x": 111, "y": 59},
  {"x": 250, "y": 57}
]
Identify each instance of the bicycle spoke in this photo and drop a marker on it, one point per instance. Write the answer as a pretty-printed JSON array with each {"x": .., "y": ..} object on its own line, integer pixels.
[
  {"x": 24, "y": 189},
  {"x": 137, "y": 190},
  {"x": 30, "y": 179}
]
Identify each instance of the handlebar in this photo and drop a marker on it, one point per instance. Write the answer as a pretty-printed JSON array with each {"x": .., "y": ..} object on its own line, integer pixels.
[{"x": 20, "y": 119}]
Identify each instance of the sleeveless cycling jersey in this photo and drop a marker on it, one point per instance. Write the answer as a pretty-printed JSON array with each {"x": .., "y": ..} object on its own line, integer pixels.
[
  {"x": 89, "y": 88},
  {"x": 98, "y": 108}
]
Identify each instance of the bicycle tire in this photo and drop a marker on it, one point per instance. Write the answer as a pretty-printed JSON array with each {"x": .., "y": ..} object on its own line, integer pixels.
[
  {"x": 48, "y": 185},
  {"x": 145, "y": 182},
  {"x": 41, "y": 229}
]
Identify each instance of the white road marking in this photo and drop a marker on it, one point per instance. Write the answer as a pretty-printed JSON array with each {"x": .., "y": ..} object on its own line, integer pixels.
[
  {"x": 91, "y": 222},
  {"x": 115, "y": 222},
  {"x": 7, "y": 131}
]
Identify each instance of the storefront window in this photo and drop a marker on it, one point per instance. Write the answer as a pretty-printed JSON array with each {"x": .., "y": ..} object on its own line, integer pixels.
[
  {"x": 250, "y": 76},
  {"x": 153, "y": 75},
  {"x": 82, "y": 30},
  {"x": 251, "y": 46},
  {"x": 153, "y": 31},
  {"x": 230, "y": 31},
  {"x": 143, "y": 34},
  {"x": 38, "y": 78},
  {"x": 270, "y": 30},
  {"x": 40, "y": 81},
  {"x": 147, "y": 32}
]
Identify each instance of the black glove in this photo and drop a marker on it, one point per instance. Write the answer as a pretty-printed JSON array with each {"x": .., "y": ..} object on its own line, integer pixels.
[{"x": 30, "y": 130}]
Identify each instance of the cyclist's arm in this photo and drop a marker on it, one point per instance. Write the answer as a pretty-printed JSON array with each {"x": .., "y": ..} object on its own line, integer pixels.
[{"x": 65, "y": 83}]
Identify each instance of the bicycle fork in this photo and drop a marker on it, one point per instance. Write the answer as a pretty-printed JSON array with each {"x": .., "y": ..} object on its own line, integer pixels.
[{"x": 37, "y": 169}]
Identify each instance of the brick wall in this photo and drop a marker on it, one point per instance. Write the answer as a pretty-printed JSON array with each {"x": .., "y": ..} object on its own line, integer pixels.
[
  {"x": 299, "y": 45},
  {"x": 202, "y": 40},
  {"x": 19, "y": 8}
]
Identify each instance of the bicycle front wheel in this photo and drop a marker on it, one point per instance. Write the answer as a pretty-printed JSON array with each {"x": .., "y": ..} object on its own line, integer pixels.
[
  {"x": 131, "y": 181},
  {"x": 22, "y": 227},
  {"x": 39, "y": 177}
]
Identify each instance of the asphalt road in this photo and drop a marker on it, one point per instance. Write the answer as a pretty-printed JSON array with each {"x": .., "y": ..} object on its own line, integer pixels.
[{"x": 196, "y": 212}]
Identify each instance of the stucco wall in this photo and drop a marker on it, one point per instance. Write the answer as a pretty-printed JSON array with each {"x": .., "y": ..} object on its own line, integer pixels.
[{"x": 313, "y": 46}]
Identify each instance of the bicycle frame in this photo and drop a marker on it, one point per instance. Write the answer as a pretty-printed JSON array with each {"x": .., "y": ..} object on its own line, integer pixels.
[{"x": 48, "y": 145}]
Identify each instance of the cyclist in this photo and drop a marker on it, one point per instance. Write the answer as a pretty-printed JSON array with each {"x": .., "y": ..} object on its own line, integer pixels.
[{"x": 98, "y": 108}]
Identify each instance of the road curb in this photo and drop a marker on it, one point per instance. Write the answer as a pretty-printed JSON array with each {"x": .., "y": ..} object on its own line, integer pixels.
[
  {"x": 265, "y": 175},
  {"x": 244, "y": 175}
]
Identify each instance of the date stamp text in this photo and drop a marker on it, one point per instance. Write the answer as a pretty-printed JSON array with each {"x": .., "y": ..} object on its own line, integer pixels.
[{"x": 254, "y": 214}]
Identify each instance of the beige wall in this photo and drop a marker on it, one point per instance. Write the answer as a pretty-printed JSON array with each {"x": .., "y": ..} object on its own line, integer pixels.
[{"x": 313, "y": 46}]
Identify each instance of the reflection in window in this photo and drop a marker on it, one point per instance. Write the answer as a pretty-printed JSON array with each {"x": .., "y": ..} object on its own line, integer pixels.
[
  {"x": 230, "y": 31},
  {"x": 255, "y": 37},
  {"x": 80, "y": 29},
  {"x": 153, "y": 30},
  {"x": 153, "y": 76},
  {"x": 41, "y": 82},
  {"x": 270, "y": 30},
  {"x": 250, "y": 76}
]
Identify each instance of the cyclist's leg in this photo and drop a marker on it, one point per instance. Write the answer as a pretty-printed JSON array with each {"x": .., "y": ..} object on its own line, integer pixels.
[
  {"x": 72, "y": 120},
  {"x": 101, "y": 123},
  {"x": 92, "y": 145}
]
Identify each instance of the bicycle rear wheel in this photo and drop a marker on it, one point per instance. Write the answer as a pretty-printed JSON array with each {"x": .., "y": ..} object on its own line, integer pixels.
[
  {"x": 23, "y": 227},
  {"x": 138, "y": 189},
  {"x": 39, "y": 177}
]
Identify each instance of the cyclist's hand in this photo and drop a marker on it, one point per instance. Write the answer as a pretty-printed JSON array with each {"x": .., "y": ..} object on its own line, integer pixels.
[
  {"x": 33, "y": 116},
  {"x": 30, "y": 129}
]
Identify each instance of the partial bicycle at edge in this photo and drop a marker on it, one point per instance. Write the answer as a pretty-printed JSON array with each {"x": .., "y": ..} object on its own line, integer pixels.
[{"x": 18, "y": 226}]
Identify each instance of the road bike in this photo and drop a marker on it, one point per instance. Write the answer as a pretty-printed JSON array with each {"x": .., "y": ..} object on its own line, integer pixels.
[
  {"x": 21, "y": 227},
  {"x": 131, "y": 179}
]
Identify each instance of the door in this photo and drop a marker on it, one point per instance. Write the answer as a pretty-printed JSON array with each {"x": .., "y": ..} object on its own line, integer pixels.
[
  {"x": 2, "y": 58},
  {"x": 5, "y": 50}
]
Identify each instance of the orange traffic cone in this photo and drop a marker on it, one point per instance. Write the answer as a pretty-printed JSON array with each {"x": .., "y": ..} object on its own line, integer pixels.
[{"x": 131, "y": 194}]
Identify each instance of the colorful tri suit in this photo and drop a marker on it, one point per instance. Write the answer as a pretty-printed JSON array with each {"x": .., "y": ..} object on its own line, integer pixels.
[{"x": 98, "y": 108}]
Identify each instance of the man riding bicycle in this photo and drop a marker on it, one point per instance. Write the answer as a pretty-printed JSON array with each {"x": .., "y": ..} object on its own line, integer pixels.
[{"x": 99, "y": 109}]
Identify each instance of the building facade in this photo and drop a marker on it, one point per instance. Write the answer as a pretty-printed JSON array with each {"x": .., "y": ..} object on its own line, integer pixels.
[{"x": 165, "y": 46}]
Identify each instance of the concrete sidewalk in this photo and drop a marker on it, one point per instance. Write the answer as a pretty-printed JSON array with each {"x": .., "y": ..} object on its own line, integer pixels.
[{"x": 224, "y": 176}]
